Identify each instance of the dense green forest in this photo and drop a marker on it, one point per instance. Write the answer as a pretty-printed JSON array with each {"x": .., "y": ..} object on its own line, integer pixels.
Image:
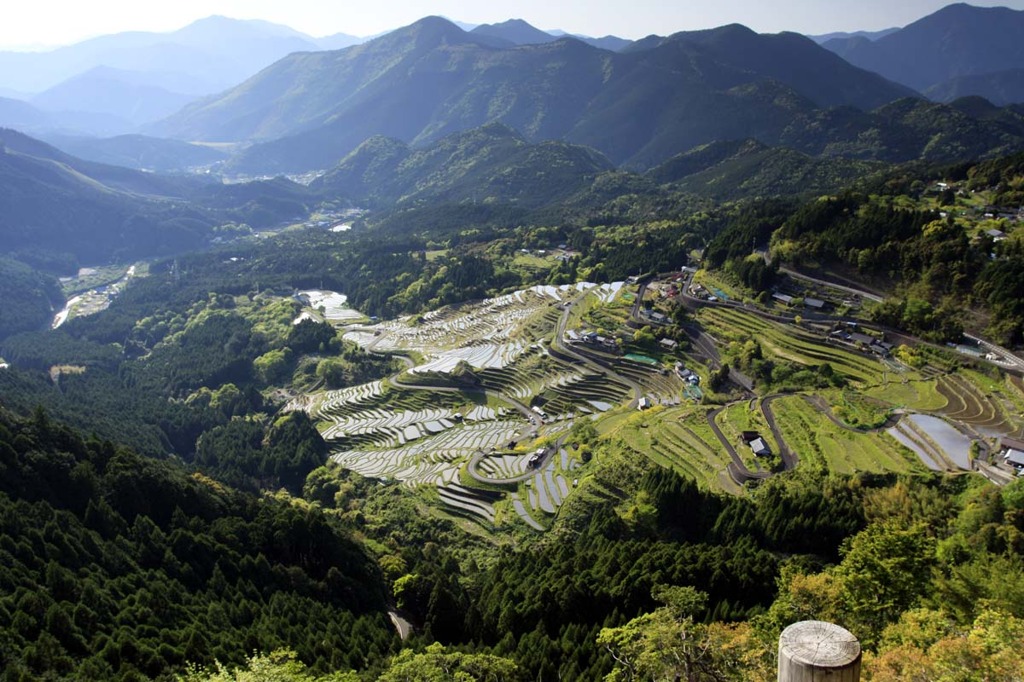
[{"x": 117, "y": 566}]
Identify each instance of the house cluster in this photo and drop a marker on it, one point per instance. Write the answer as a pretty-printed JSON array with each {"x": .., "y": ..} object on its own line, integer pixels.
[
  {"x": 1012, "y": 451},
  {"x": 654, "y": 316},
  {"x": 757, "y": 444},
  {"x": 861, "y": 341},
  {"x": 698, "y": 291},
  {"x": 809, "y": 302},
  {"x": 686, "y": 375},
  {"x": 1002, "y": 213},
  {"x": 592, "y": 339}
]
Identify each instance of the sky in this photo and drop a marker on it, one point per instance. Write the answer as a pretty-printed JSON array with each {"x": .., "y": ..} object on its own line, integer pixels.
[{"x": 35, "y": 23}]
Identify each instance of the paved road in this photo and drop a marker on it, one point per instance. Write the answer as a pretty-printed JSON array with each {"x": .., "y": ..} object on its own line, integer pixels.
[
  {"x": 789, "y": 458},
  {"x": 871, "y": 296},
  {"x": 403, "y": 626}
]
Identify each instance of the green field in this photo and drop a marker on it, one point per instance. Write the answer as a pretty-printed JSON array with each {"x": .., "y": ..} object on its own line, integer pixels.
[{"x": 921, "y": 395}]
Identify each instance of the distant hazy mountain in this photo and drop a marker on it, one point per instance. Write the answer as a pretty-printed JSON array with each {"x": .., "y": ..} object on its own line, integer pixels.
[
  {"x": 23, "y": 116},
  {"x": 516, "y": 32},
  {"x": 212, "y": 54},
  {"x": 52, "y": 201},
  {"x": 338, "y": 41},
  {"x": 104, "y": 90},
  {"x": 139, "y": 152},
  {"x": 430, "y": 79},
  {"x": 484, "y": 165},
  {"x": 844, "y": 35},
  {"x": 58, "y": 207},
  {"x": 955, "y": 42},
  {"x": 1000, "y": 88},
  {"x": 14, "y": 113}
]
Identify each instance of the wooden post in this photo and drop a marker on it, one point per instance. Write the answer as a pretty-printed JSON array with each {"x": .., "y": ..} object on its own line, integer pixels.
[{"x": 814, "y": 651}]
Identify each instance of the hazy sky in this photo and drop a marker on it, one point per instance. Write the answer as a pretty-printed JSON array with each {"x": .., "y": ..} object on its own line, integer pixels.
[{"x": 57, "y": 22}]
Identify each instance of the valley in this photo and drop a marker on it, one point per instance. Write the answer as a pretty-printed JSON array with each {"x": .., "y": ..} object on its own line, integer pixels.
[{"x": 485, "y": 352}]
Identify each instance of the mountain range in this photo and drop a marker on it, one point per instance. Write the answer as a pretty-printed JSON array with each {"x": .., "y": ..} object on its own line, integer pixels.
[
  {"x": 959, "y": 50},
  {"x": 138, "y": 77},
  {"x": 420, "y": 83}
]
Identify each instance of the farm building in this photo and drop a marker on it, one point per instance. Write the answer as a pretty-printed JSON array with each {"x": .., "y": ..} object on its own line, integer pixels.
[
  {"x": 669, "y": 344},
  {"x": 815, "y": 303},
  {"x": 783, "y": 298},
  {"x": 644, "y": 403},
  {"x": 1014, "y": 458},
  {"x": 760, "y": 448}
]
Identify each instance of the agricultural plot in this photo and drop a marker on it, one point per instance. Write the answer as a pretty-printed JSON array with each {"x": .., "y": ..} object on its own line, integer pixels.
[
  {"x": 547, "y": 490},
  {"x": 583, "y": 394},
  {"x": 486, "y": 334},
  {"x": 946, "y": 441},
  {"x": 982, "y": 402},
  {"x": 921, "y": 395},
  {"x": 821, "y": 444},
  {"x": 680, "y": 439}
]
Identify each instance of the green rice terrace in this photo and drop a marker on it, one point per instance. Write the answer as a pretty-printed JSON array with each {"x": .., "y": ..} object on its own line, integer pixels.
[{"x": 480, "y": 420}]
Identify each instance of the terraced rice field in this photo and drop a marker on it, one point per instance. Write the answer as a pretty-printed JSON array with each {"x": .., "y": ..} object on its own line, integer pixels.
[
  {"x": 473, "y": 503},
  {"x": 944, "y": 442},
  {"x": 793, "y": 344},
  {"x": 504, "y": 466},
  {"x": 982, "y": 402},
  {"x": 821, "y": 444},
  {"x": 430, "y": 460},
  {"x": 484, "y": 334},
  {"x": 679, "y": 439}
]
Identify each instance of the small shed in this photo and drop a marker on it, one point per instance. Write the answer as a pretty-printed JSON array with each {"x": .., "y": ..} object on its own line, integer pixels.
[
  {"x": 857, "y": 337},
  {"x": 668, "y": 344},
  {"x": 644, "y": 403},
  {"x": 760, "y": 447},
  {"x": 1014, "y": 458},
  {"x": 815, "y": 303},
  {"x": 783, "y": 298}
]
